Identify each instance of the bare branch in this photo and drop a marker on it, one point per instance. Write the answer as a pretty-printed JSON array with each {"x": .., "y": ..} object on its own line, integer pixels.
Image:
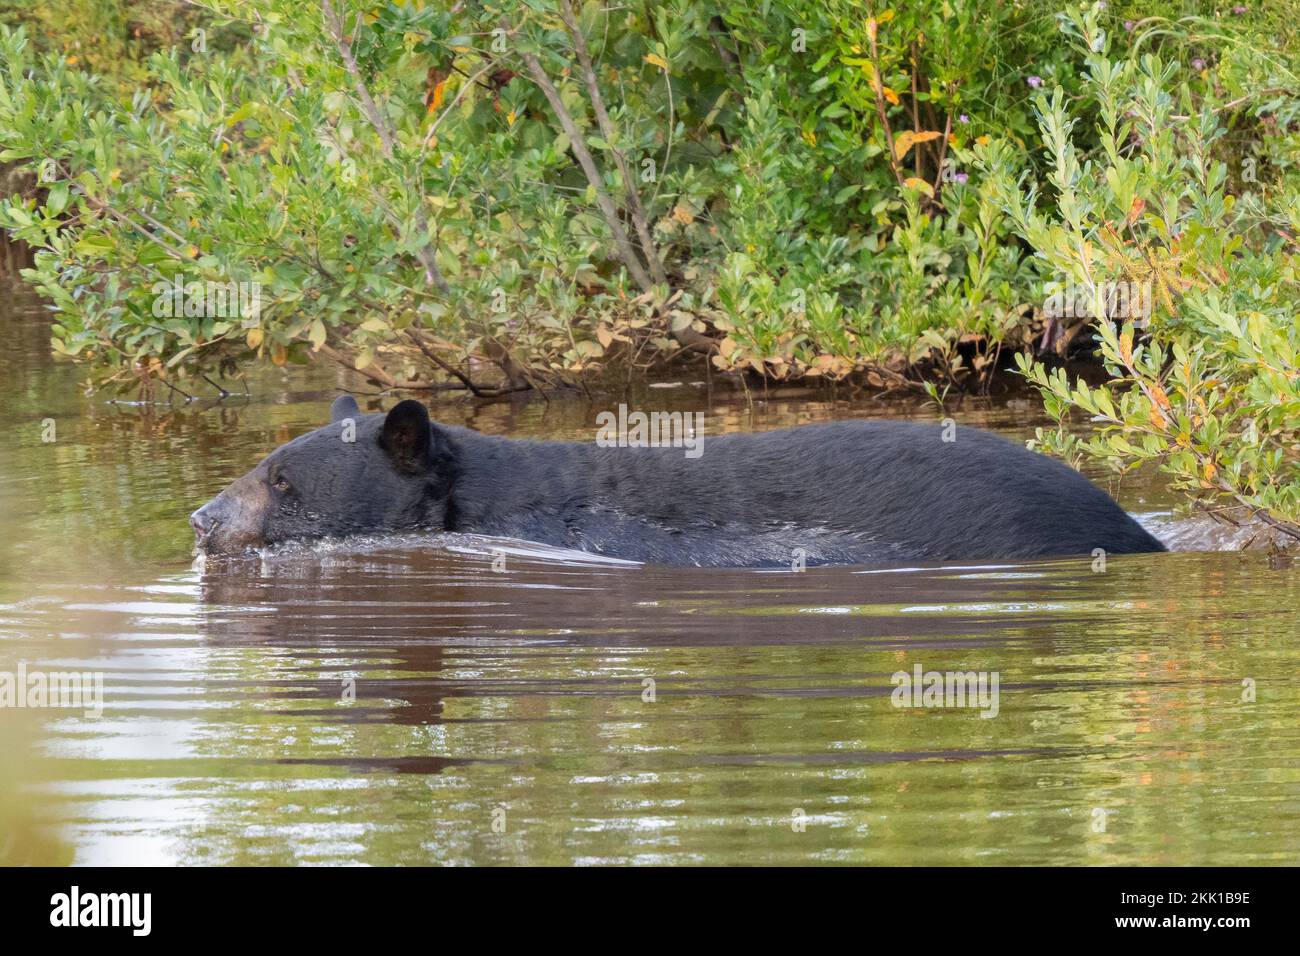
[
  {"x": 635, "y": 209},
  {"x": 387, "y": 138},
  {"x": 579, "y": 146}
]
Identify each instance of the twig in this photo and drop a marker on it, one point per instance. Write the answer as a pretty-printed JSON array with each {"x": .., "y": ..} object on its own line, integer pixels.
[
  {"x": 223, "y": 392},
  {"x": 1285, "y": 527},
  {"x": 387, "y": 138},
  {"x": 174, "y": 388},
  {"x": 478, "y": 390},
  {"x": 466, "y": 87},
  {"x": 1233, "y": 104},
  {"x": 877, "y": 88},
  {"x": 579, "y": 146},
  {"x": 635, "y": 209},
  {"x": 916, "y": 115}
]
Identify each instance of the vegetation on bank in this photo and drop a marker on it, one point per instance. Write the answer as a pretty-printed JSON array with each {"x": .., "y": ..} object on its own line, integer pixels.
[{"x": 509, "y": 195}]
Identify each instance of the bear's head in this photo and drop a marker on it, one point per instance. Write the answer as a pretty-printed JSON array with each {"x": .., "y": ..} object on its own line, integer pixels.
[{"x": 360, "y": 473}]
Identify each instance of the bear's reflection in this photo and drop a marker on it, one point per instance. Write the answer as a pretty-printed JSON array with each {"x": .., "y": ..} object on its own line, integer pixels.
[{"x": 415, "y": 627}]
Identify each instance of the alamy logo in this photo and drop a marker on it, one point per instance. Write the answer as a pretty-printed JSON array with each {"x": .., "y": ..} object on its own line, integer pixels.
[
  {"x": 72, "y": 689},
  {"x": 103, "y": 909},
  {"x": 655, "y": 430},
  {"x": 207, "y": 299},
  {"x": 973, "y": 689},
  {"x": 1116, "y": 300}
]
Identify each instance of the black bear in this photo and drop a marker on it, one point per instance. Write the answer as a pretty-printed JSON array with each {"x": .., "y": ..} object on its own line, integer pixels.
[{"x": 851, "y": 492}]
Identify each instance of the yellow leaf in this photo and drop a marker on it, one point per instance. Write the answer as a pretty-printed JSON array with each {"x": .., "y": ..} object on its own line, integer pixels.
[
  {"x": 982, "y": 140},
  {"x": 912, "y": 182},
  {"x": 890, "y": 95},
  {"x": 869, "y": 68},
  {"x": 254, "y": 338},
  {"x": 435, "y": 101},
  {"x": 885, "y": 17},
  {"x": 904, "y": 141},
  {"x": 1135, "y": 210},
  {"x": 656, "y": 60}
]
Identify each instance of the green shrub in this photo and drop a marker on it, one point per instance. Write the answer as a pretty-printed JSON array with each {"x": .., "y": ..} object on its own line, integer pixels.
[
  {"x": 1203, "y": 378},
  {"x": 409, "y": 195}
]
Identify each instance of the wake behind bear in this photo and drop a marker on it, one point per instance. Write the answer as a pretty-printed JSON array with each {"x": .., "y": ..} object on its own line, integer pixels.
[{"x": 851, "y": 492}]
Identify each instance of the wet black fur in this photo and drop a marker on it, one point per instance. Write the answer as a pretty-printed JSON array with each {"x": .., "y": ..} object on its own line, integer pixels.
[{"x": 847, "y": 492}]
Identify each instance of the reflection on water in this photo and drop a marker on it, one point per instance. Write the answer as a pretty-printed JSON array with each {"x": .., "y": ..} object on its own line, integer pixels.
[{"x": 467, "y": 701}]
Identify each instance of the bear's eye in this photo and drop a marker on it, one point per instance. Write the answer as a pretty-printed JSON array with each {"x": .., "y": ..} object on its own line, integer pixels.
[{"x": 282, "y": 484}]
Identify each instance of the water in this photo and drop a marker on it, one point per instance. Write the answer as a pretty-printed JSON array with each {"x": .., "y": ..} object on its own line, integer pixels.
[{"x": 392, "y": 701}]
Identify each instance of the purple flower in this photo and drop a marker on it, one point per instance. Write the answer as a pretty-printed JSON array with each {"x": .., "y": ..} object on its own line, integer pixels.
[
  {"x": 1035, "y": 81},
  {"x": 1129, "y": 25},
  {"x": 1239, "y": 9},
  {"x": 1198, "y": 64},
  {"x": 963, "y": 118},
  {"x": 962, "y": 177}
]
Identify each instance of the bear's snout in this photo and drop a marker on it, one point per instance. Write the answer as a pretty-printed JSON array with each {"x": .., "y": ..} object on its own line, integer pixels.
[
  {"x": 233, "y": 520},
  {"x": 212, "y": 527},
  {"x": 203, "y": 522}
]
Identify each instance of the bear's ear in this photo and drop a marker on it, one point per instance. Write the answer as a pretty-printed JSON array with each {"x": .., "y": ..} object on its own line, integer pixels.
[
  {"x": 345, "y": 406},
  {"x": 406, "y": 436}
]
